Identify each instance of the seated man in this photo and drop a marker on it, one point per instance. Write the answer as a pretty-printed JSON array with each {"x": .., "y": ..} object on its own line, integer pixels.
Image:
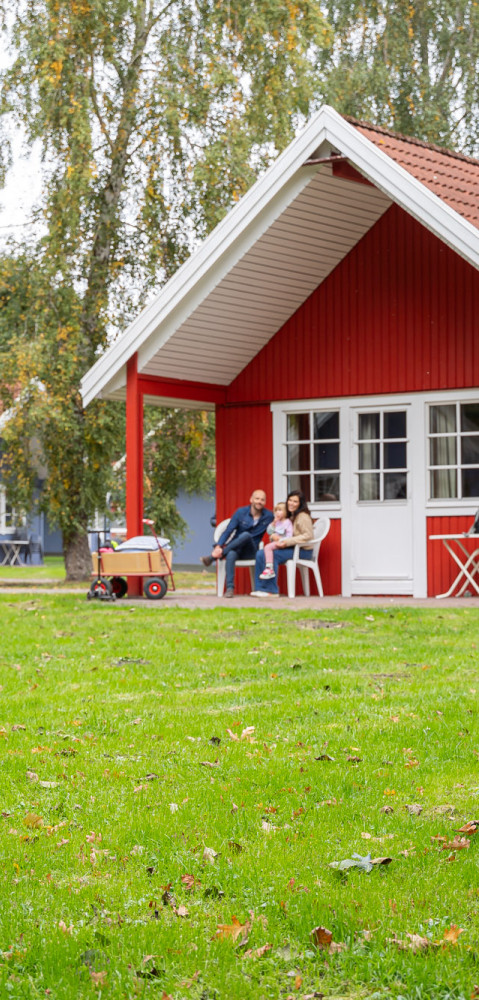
[{"x": 249, "y": 525}]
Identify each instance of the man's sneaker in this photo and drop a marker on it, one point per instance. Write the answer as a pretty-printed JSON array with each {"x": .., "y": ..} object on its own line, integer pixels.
[
  {"x": 267, "y": 574},
  {"x": 230, "y": 592},
  {"x": 206, "y": 560}
]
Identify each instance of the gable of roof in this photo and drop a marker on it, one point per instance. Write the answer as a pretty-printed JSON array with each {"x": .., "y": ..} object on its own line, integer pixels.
[
  {"x": 272, "y": 250},
  {"x": 451, "y": 176}
]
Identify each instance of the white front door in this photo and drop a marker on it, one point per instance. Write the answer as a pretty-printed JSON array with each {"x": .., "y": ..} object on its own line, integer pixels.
[{"x": 381, "y": 507}]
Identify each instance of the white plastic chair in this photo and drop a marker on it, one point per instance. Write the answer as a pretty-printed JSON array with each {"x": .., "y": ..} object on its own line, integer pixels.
[
  {"x": 321, "y": 528},
  {"x": 221, "y": 563}
]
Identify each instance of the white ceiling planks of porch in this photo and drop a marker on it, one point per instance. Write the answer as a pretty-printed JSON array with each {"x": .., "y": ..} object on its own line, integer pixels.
[{"x": 270, "y": 281}]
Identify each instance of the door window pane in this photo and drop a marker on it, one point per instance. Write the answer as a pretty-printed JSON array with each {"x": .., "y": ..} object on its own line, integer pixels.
[
  {"x": 443, "y": 483},
  {"x": 368, "y": 426},
  {"x": 395, "y": 486},
  {"x": 298, "y": 457},
  {"x": 326, "y": 489},
  {"x": 369, "y": 486},
  {"x": 326, "y": 425},
  {"x": 470, "y": 417},
  {"x": 395, "y": 455},
  {"x": 442, "y": 451},
  {"x": 369, "y": 456},
  {"x": 326, "y": 456},
  {"x": 395, "y": 424},
  {"x": 442, "y": 419},
  {"x": 297, "y": 427}
]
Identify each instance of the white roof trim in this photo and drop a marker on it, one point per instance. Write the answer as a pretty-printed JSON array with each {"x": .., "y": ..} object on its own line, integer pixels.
[{"x": 252, "y": 216}]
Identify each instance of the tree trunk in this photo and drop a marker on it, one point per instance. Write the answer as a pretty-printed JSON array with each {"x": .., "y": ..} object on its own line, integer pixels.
[{"x": 77, "y": 555}]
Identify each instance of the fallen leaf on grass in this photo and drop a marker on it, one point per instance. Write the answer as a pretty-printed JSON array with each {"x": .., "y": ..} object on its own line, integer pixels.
[
  {"x": 453, "y": 933},
  {"x": 209, "y": 763},
  {"x": 32, "y": 776},
  {"x": 33, "y": 821},
  {"x": 234, "y": 847},
  {"x": 98, "y": 978},
  {"x": 324, "y": 756},
  {"x": 181, "y": 911},
  {"x": 63, "y": 927},
  {"x": 469, "y": 828},
  {"x": 322, "y": 938},
  {"x": 387, "y": 810},
  {"x": 48, "y": 784},
  {"x": 365, "y": 864},
  {"x": 190, "y": 882},
  {"x": 414, "y": 809},
  {"x": 140, "y": 788},
  {"x": 209, "y": 855},
  {"x": 232, "y": 736},
  {"x": 412, "y": 942},
  {"x": 236, "y": 930},
  {"x": 353, "y": 760},
  {"x": 458, "y": 844},
  {"x": 257, "y": 952},
  {"x": 247, "y": 734}
]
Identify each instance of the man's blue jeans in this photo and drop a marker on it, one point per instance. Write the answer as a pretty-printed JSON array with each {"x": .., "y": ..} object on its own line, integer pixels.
[{"x": 241, "y": 547}]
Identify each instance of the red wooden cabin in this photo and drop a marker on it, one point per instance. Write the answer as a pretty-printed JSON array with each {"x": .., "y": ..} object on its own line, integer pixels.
[{"x": 331, "y": 319}]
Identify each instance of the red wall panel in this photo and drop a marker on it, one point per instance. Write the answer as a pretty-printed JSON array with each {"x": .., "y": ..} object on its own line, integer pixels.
[
  {"x": 398, "y": 314},
  {"x": 441, "y": 568}
]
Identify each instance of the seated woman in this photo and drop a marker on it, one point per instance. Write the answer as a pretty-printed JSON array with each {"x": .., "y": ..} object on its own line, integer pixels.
[{"x": 298, "y": 513}]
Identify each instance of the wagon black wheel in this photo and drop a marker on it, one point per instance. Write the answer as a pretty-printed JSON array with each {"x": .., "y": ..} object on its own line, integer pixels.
[
  {"x": 100, "y": 588},
  {"x": 155, "y": 588},
  {"x": 119, "y": 586}
]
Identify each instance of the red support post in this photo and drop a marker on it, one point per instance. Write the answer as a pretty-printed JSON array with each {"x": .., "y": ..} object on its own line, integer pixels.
[{"x": 134, "y": 462}]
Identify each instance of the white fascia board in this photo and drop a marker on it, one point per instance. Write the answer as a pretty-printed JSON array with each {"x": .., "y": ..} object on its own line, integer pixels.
[
  {"x": 404, "y": 189},
  {"x": 239, "y": 229}
]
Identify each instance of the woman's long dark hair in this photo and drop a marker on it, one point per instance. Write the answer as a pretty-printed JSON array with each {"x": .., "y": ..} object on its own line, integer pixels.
[{"x": 303, "y": 507}]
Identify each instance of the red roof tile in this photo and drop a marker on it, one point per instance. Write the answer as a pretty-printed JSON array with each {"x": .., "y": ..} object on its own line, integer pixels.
[{"x": 451, "y": 176}]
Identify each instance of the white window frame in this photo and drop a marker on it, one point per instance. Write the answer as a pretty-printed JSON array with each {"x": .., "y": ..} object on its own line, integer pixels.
[
  {"x": 7, "y": 520},
  {"x": 458, "y": 465},
  {"x": 311, "y": 441},
  {"x": 418, "y": 460}
]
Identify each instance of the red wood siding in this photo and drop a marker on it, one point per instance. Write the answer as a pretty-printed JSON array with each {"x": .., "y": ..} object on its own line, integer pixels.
[
  {"x": 399, "y": 314},
  {"x": 441, "y": 569}
]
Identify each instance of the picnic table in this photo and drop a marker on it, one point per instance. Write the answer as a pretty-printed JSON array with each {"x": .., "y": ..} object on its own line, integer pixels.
[{"x": 11, "y": 550}]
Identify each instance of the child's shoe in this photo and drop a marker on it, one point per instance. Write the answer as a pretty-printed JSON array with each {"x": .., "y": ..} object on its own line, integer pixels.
[{"x": 267, "y": 574}]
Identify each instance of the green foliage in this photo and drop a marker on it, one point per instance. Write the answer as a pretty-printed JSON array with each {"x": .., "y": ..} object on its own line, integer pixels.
[
  {"x": 153, "y": 119},
  {"x": 179, "y": 456},
  {"x": 410, "y": 66}
]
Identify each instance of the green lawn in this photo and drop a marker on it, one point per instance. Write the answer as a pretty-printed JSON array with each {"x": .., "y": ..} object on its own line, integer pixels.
[{"x": 176, "y": 785}]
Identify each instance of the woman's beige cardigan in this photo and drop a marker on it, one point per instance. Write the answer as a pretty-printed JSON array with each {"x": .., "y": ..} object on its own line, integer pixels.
[{"x": 302, "y": 530}]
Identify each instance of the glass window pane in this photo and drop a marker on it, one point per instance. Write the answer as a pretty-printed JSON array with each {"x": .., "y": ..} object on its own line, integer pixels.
[
  {"x": 326, "y": 456},
  {"x": 470, "y": 483},
  {"x": 443, "y": 483},
  {"x": 368, "y": 426},
  {"x": 470, "y": 450},
  {"x": 470, "y": 417},
  {"x": 298, "y": 457},
  {"x": 369, "y": 486},
  {"x": 395, "y": 424},
  {"x": 442, "y": 419},
  {"x": 395, "y": 455},
  {"x": 326, "y": 425},
  {"x": 369, "y": 456},
  {"x": 326, "y": 489},
  {"x": 395, "y": 485},
  {"x": 297, "y": 427},
  {"x": 302, "y": 483},
  {"x": 442, "y": 451}
]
